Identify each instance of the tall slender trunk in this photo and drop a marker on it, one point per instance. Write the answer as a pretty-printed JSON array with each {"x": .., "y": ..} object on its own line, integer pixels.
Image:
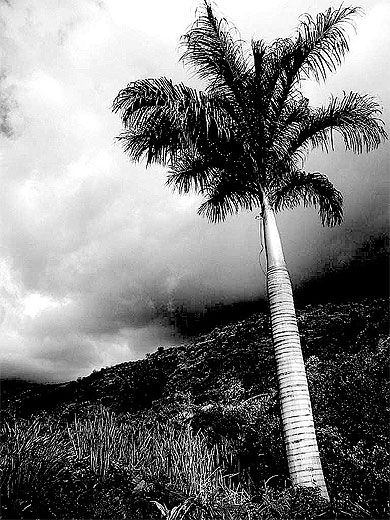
[{"x": 297, "y": 419}]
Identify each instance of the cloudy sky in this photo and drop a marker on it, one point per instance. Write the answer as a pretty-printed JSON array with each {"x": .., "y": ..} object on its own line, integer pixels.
[{"x": 93, "y": 248}]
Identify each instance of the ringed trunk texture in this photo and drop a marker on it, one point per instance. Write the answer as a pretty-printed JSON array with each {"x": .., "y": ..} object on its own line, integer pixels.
[{"x": 297, "y": 419}]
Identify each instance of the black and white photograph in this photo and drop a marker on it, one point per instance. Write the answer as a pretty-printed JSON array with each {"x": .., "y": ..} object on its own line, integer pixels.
[{"x": 194, "y": 259}]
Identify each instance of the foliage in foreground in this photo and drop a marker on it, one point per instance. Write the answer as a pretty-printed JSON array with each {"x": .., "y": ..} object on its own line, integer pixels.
[
  {"x": 204, "y": 437},
  {"x": 108, "y": 467}
]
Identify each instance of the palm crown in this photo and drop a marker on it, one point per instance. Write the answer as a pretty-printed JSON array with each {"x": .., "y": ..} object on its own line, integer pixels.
[{"x": 246, "y": 136}]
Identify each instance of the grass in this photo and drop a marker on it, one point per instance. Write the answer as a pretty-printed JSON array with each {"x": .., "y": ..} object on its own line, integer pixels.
[
  {"x": 41, "y": 460},
  {"x": 34, "y": 457},
  {"x": 106, "y": 466}
]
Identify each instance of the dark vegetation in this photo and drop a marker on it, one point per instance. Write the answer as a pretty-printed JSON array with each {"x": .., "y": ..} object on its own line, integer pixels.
[{"x": 193, "y": 432}]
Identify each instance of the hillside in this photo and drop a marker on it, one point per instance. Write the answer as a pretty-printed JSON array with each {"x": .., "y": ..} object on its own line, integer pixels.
[
  {"x": 241, "y": 351},
  {"x": 210, "y": 405}
]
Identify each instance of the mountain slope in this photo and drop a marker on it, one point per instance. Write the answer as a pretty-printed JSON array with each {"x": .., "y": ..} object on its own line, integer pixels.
[
  {"x": 223, "y": 386},
  {"x": 241, "y": 350}
]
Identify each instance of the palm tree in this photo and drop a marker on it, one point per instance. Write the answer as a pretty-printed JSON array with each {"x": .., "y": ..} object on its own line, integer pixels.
[{"x": 241, "y": 144}]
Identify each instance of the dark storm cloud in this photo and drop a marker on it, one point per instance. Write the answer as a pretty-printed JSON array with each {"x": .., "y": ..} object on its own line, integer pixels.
[{"x": 96, "y": 254}]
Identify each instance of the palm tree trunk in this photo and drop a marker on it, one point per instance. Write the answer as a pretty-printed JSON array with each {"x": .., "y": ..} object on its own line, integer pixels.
[{"x": 297, "y": 419}]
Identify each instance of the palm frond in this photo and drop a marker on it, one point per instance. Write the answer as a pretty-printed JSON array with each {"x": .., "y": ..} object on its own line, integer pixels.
[
  {"x": 289, "y": 125},
  {"x": 269, "y": 88},
  {"x": 259, "y": 81},
  {"x": 259, "y": 52},
  {"x": 354, "y": 116},
  {"x": 190, "y": 172},
  {"x": 227, "y": 195},
  {"x": 154, "y": 147},
  {"x": 214, "y": 51},
  {"x": 310, "y": 189},
  {"x": 162, "y": 118},
  {"x": 321, "y": 44},
  {"x": 295, "y": 110},
  {"x": 318, "y": 48},
  {"x": 221, "y": 178}
]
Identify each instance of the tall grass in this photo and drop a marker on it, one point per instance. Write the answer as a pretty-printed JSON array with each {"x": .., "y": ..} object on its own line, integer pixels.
[
  {"x": 182, "y": 456},
  {"x": 105, "y": 466},
  {"x": 48, "y": 469},
  {"x": 181, "y": 459},
  {"x": 34, "y": 457},
  {"x": 97, "y": 441}
]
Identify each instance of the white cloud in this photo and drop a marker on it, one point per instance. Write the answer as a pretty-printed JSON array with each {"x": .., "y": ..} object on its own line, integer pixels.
[
  {"x": 45, "y": 89},
  {"x": 35, "y": 303}
]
